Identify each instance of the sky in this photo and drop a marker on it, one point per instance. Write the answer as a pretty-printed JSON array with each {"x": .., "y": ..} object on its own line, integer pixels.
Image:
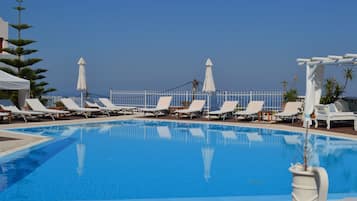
[{"x": 160, "y": 44}]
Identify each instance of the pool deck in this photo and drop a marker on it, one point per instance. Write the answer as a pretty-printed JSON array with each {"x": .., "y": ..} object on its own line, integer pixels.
[
  {"x": 12, "y": 142},
  {"x": 16, "y": 142}
]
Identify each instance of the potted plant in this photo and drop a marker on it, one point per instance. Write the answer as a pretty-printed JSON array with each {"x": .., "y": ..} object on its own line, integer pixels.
[{"x": 309, "y": 183}]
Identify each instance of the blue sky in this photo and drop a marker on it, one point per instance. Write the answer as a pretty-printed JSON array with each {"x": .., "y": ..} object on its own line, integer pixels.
[{"x": 159, "y": 44}]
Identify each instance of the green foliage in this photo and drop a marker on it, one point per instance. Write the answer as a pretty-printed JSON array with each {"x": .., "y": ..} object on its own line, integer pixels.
[
  {"x": 20, "y": 27},
  {"x": 18, "y": 51},
  {"x": 290, "y": 95},
  {"x": 19, "y": 8},
  {"x": 333, "y": 91},
  {"x": 348, "y": 75},
  {"x": 20, "y": 42},
  {"x": 20, "y": 63}
]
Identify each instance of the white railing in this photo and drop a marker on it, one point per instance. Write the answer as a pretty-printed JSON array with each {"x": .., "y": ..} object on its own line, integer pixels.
[{"x": 273, "y": 100}]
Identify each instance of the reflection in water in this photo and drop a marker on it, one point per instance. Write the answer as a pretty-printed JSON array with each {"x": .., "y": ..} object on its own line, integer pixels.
[
  {"x": 164, "y": 132},
  {"x": 81, "y": 151},
  {"x": 213, "y": 136},
  {"x": 207, "y": 155},
  {"x": 25, "y": 163}
]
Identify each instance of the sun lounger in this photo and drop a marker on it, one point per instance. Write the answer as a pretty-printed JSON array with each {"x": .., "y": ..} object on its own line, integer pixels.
[
  {"x": 6, "y": 104},
  {"x": 107, "y": 103},
  {"x": 252, "y": 110},
  {"x": 73, "y": 107},
  {"x": 162, "y": 106},
  {"x": 4, "y": 114},
  {"x": 343, "y": 106},
  {"x": 37, "y": 106},
  {"x": 329, "y": 113},
  {"x": 104, "y": 110},
  {"x": 291, "y": 111},
  {"x": 195, "y": 109},
  {"x": 227, "y": 108}
]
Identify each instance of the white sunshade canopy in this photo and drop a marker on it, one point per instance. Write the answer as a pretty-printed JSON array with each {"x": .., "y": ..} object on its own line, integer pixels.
[
  {"x": 208, "y": 84},
  {"x": 81, "y": 83},
  {"x": 11, "y": 82}
]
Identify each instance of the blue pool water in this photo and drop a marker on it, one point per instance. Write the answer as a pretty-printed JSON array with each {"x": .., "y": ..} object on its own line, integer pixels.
[{"x": 134, "y": 159}]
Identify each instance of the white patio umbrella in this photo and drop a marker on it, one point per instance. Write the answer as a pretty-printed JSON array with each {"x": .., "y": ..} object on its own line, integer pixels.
[
  {"x": 81, "y": 83},
  {"x": 209, "y": 86}
]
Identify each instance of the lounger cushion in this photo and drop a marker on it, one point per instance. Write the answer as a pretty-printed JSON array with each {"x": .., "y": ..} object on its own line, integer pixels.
[
  {"x": 342, "y": 106},
  {"x": 332, "y": 107}
]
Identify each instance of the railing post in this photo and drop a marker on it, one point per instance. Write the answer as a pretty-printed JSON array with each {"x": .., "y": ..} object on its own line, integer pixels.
[
  {"x": 145, "y": 99},
  {"x": 186, "y": 96},
  {"x": 250, "y": 96},
  {"x": 225, "y": 95}
]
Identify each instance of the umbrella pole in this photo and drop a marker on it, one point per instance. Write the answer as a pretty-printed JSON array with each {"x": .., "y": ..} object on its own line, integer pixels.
[{"x": 82, "y": 98}]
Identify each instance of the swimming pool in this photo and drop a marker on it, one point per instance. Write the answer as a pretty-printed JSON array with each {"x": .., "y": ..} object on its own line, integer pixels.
[{"x": 135, "y": 159}]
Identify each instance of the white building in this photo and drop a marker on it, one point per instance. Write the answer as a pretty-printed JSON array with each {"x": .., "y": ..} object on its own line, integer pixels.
[{"x": 4, "y": 34}]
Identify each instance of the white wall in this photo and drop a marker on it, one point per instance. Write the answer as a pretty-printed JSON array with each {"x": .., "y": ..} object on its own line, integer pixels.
[{"x": 4, "y": 31}]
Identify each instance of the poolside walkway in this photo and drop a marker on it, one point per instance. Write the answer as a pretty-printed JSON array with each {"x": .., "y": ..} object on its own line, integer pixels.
[{"x": 17, "y": 142}]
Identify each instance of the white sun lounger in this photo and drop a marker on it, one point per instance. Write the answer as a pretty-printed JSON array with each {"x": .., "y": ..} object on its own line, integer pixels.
[
  {"x": 73, "y": 107},
  {"x": 162, "y": 106},
  {"x": 195, "y": 109},
  {"x": 291, "y": 111},
  {"x": 227, "y": 108},
  {"x": 105, "y": 110},
  {"x": 328, "y": 113},
  {"x": 37, "y": 106},
  {"x": 6, "y": 104},
  {"x": 252, "y": 110},
  {"x": 5, "y": 114},
  {"x": 107, "y": 103}
]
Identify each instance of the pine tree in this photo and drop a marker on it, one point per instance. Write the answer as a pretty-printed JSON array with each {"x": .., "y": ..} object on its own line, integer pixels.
[{"x": 22, "y": 66}]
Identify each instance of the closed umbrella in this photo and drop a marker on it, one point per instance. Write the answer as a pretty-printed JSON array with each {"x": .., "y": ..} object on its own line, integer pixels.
[
  {"x": 209, "y": 86},
  {"x": 81, "y": 83}
]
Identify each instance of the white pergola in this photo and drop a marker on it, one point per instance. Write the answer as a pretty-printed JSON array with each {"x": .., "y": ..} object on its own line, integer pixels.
[{"x": 315, "y": 68}]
